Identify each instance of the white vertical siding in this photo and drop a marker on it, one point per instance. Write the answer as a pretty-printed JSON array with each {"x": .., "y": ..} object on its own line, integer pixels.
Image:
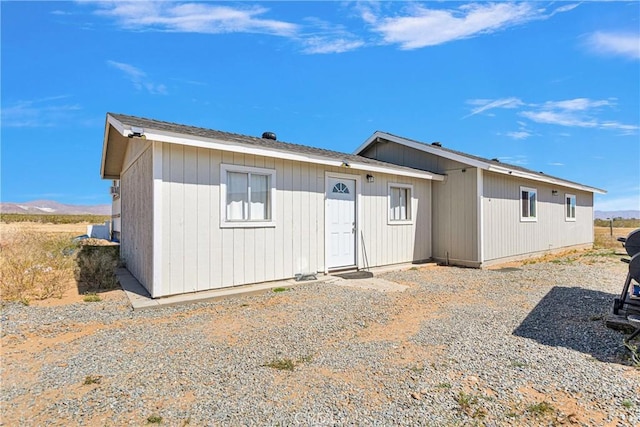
[
  {"x": 455, "y": 217},
  {"x": 157, "y": 262},
  {"x": 455, "y": 201},
  {"x": 386, "y": 244},
  {"x": 198, "y": 254},
  {"x": 136, "y": 239},
  {"x": 204, "y": 209},
  {"x": 507, "y": 236}
]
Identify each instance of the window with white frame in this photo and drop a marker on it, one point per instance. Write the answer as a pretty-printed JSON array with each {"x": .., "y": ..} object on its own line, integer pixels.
[
  {"x": 528, "y": 204},
  {"x": 570, "y": 207},
  {"x": 247, "y": 196},
  {"x": 400, "y": 203}
]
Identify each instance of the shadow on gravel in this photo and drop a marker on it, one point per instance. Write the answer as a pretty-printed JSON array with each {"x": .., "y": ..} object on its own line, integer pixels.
[{"x": 573, "y": 318}]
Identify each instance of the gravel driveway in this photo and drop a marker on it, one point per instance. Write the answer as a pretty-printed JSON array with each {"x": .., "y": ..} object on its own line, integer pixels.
[{"x": 458, "y": 347}]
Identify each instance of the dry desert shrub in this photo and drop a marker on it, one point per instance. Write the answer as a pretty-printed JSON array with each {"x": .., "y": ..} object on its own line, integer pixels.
[
  {"x": 96, "y": 264},
  {"x": 35, "y": 265}
]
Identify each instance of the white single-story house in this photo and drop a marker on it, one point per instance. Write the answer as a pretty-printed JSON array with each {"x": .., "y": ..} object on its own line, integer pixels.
[
  {"x": 198, "y": 209},
  {"x": 202, "y": 209}
]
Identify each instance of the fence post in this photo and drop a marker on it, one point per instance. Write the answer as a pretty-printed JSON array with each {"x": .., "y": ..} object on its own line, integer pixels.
[{"x": 611, "y": 227}]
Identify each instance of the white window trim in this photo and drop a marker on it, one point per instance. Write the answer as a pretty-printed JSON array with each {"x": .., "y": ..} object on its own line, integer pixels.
[
  {"x": 224, "y": 169},
  {"x": 411, "y": 203},
  {"x": 575, "y": 212},
  {"x": 528, "y": 218}
]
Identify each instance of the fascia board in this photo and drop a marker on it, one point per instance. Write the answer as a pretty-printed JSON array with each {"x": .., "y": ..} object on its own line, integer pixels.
[
  {"x": 416, "y": 174},
  {"x": 116, "y": 124},
  {"x": 548, "y": 180},
  {"x": 213, "y": 143},
  {"x": 105, "y": 142},
  {"x": 433, "y": 150},
  {"x": 368, "y": 142},
  {"x": 476, "y": 163}
]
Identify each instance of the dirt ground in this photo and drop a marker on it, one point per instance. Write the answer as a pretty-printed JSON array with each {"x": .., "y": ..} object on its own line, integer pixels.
[{"x": 395, "y": 347}]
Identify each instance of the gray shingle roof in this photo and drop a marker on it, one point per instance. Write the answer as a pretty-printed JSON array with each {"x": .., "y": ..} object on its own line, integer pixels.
[
  {"x": 269, "y": 144},
  {"x": 490, "y": 161}
]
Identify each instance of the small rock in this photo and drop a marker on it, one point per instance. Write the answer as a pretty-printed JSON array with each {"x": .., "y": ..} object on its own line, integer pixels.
[{"x": 416, "y": 396}]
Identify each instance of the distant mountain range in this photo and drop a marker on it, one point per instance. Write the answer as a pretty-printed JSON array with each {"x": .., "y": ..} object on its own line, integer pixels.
[
  {"x": 617, "y": 214},
  {"x": 52, "y": 207}
]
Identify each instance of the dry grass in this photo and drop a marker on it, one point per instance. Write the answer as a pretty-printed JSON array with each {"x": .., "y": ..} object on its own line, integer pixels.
[
  {"x": 38, "y": 265},
  {"x": 603, "y": 238},
  {"x": 96, "y": 266},
  {"x": 35, "y": 265},
  {"x": 54, "y": 218}
]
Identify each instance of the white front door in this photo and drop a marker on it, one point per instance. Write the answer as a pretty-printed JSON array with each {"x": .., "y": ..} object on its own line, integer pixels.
[{"x": 341, "y": 211}]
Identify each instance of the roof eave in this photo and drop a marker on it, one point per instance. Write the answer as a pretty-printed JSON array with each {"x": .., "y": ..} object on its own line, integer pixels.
[
  {"x": 110, "y": 123},
  {"x": 223, "y": 145},
  {"x": 105, "y": 140},
  {"x": 474, "y": 162},
  {"x": 542, "y": 178}
]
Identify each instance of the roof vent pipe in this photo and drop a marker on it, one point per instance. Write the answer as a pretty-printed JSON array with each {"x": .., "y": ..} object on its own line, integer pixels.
[
  {"x": 269, "y": 135},
  {"x": 437, "y": 144}
]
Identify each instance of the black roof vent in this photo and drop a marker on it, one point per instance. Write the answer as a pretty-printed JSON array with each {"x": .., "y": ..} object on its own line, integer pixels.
[
  {"x": 437, "y": 144},
  {"x": 269, "y": 135},
  {"x": 495, "y": 159}
]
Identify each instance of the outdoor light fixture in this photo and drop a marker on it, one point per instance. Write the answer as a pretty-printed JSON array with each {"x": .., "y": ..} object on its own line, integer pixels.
[
  {"x": 370, "y": 178},
  {"x": 136, "y": 131},
  {"x": 554, "y": 192}
]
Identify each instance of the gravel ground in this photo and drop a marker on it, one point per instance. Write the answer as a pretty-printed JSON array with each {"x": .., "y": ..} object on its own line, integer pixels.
[{"x": 458, "y": 347}]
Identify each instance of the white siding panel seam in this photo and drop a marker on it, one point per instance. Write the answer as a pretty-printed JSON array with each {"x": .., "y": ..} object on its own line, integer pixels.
[
  {"x": 479, "y": 195},
  {"x": 157, "y": 219}
]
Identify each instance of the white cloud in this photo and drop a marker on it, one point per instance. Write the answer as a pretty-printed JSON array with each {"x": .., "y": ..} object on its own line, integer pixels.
[
  {"x": 194, "y": 17},
  {"x": 561, "y": 118},
  {"x": 43, "y": 112},
  {"x": 520, "y": 160},
  {"x": 555, "y": 164},
  {"x": 368, "y": 11},
  {"x": 321, "y": 44},
  {"x": 521, "y": 134},
  {"x": 315, "y": 37},
  {"x": 421, "y": 26},
  {"x": 139, "y": 78},
  {"x": 578, "y": 112},
  {"x": 523, "y": 131},
  {"x": 612, "y": 43},
  {"x": 488, "y": 104},
  {"x": 324, "y": 37},
  {"x": 565, "y": 8},
  {"x": 579, "y": 104}
]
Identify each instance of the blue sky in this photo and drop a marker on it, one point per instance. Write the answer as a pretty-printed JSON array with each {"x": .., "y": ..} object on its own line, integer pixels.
[{"x": 551, "y": 86}]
